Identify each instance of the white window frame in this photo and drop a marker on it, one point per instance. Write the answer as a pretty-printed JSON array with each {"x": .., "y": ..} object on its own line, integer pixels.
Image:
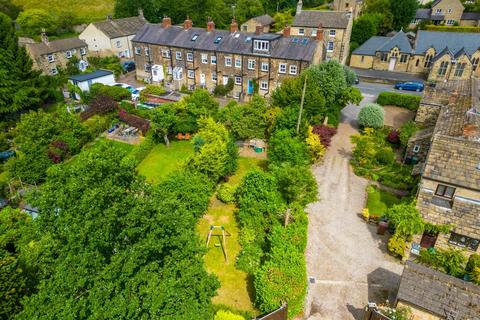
[
  {"x": 238, "y": 80},
  {"x": 314, "y": 32},
  {"x": 228, "y": 61},
  {"x": 118, "y": 43},
  {"x": 147, "y": 67},
  {"x": 54, "y": 71},
  {"x": 238, "y": 62},
  {"x": 282, "y": 68},
  {"x": 332, "y": 33},
  {"x": 214, "y": 76},
  {"x": 213, "y": 60},
  {"x": 264, "y": 66},
  {"x": 68, "y": 54},
  {"x": 293, "y": 69},
  {"x": 416, "y": 148},
  {"x": 166, "y": 53},
  {"x": 178, "y": 55},
  {"x": 251, "y": 64},
  {"x": 190, "y": 74},
  {"x": 301, "y": 31},
  {"x": 147, "y": 52},
  {"x": 261, "y": 45},
  {"x": 51, "y": 58},
  {"x": 138, "y": 50},
  {"x": 225, "y": 80},
  {"x": 264, "y": 85},
  {"x": 204, "y": 58},
  {"x": 83, "y": 51},
  {"x": 332, "y": 44},
  {"x": 190, "y": 56}
]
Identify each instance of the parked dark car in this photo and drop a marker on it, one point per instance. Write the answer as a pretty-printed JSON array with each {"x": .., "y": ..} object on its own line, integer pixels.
[
  {"x": 411, "y": 86},
  {"x": 128, "y": 66}
]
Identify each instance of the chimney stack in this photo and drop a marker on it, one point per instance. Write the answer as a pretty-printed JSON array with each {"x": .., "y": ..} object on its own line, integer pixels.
[
  {"x": 258, "y": 29},
  {"x": 187, "y": 24},
  {"x": 140, "y": 13},
  {"x": 286, "y": 30},
  {"x": 44, "y": 37},
  {"x": 233, "y": 26},
  {"x": 210, "y": 25},
  {"x": 299, "y": 7},
  {"x": 166, "y": 22},
  {"x": 319, "y": 36}
]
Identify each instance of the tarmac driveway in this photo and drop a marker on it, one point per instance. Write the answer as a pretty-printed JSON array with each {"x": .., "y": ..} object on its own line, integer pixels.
[{"x": 347, "y": 263}]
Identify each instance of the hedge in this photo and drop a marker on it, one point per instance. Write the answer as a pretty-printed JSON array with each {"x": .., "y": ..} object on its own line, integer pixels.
[
  {"x": 452, "y": 28},
  {"x": 408, "y": 101}
]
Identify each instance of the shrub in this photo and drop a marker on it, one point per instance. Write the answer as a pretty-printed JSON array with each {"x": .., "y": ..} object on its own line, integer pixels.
[
  {"x": 467, "y": 29},
  {"x": 473, "y": 262},
  {"x": 371, "y": 116},
  {"x": 450, "y": 261},
  {"x": 226, "y": 193},
  {"x": 325, "y": 133},
  {"x": 385, "y": 156},
  {"x": 223, "y": 90},
  {"x": 141, "y": 151},
  {"x": 397, "y": 245},
  {"x": 227, "y": 315},
  {"x": 97, "y": 124},
  {"x": 117, "y": 93},
  {"x": 408, "y": 101},
  {"x": 314, "y": 145},
  {"x": 393, "y": 137},
  {"x": 407, "y": 130},
  {"x": 285, "y": 147},
  {"x": 152, "y": 89},
  {"x": 406, "y": 219}
]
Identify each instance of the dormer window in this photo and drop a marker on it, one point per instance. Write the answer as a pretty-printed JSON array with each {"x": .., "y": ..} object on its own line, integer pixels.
[{"x": 261, "y": 45}]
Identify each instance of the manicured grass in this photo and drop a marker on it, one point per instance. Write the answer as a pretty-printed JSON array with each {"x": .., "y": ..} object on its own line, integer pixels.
[
  {"x": 161, "y": 161},
  {"x": 379, "y": 201},
  {"x": 236, "y": 288},
  {"x": 86, "y": 11}
]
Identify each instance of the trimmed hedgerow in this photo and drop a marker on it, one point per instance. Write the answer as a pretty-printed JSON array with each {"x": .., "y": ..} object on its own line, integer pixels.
[{"x": 408, "y": 101}]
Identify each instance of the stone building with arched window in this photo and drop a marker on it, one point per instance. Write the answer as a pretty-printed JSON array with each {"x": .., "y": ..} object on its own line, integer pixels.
[{"x": 438, "y": 55}]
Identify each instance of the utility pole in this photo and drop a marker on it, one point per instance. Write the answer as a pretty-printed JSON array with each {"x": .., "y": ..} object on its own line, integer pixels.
[{"x": 301, "y": 104}]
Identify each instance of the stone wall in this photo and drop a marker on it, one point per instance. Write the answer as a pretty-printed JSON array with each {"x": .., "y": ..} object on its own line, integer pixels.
[
  {"x": 427, "y": 114},
  {"x": 419, "y": 145},
  {"x": 60, "y": 60}
]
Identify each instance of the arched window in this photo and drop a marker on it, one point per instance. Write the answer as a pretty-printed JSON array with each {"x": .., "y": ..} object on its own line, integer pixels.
[
  {"x": 459, "y": 69},
  {"x": 428, "y": 60},
  {"x": 443, "y": 68},
  {"x": 475, "y": 63},
  {"x": 417, "y": 63}
]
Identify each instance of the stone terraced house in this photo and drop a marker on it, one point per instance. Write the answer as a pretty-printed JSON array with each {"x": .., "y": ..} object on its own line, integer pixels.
[
  {"x": 336, "y": 27},
  {"x": 251, "y": 25},
  {"x": 448, "y": 152},
  {"x": 184, "y": 56},
  {"x": 438, "y": 55},
  {"x": 49, "y": 56},
  {"x": 446, "y": 12}
]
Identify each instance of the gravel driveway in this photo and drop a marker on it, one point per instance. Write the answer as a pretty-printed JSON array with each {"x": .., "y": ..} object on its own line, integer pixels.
[{"x": 344, "y": 255}]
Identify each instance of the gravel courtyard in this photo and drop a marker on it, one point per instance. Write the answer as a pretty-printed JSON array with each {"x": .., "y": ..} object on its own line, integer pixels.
[{"x": 344, "y": 255}]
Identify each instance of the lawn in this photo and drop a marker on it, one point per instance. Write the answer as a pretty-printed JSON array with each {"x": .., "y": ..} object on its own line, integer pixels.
[
  {"x": 161, "y": 161},
  {"x": 235, "y": 290},
  {"x": 86, "y": 11},
  {"x": 379, "y": 201}
]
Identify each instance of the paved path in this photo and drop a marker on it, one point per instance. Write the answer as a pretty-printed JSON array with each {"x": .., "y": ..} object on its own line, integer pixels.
[{"x": 344, "y": 255}]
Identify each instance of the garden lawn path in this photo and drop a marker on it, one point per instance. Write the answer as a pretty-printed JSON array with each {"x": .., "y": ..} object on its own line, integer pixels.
[{"x": 344, "y": 255}]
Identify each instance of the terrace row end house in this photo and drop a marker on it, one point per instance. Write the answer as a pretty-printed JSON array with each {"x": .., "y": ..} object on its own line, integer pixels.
[
  {"x": 439, "y": 55},
  {"x": 49, "y": 56},
  {"x": 184, "y": 56},
  {"x": 446, "y": 12},
  {"x": 448, "y": 152}
]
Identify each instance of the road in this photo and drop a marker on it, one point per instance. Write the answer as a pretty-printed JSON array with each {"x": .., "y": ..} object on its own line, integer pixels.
[{"x": 347, "y": 263}]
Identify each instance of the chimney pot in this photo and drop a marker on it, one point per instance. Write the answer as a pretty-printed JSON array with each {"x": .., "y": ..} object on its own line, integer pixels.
[
  {"x": 187, "y": 24},
  {"x": 258, "y": 29},
  {"x": 166, "y": 22},
  {"x": 210, "y": 26},
  {"x": 286, "y": 31},
  {"x": 233, "y": 26}
]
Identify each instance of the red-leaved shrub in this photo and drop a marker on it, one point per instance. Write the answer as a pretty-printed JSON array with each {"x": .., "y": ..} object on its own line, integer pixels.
[
  {"x": 393, "y": 137},
  {"x": 325, "y": 133}
]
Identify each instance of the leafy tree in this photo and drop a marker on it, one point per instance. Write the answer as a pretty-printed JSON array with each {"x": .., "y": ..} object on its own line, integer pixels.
[
  {"x": 406, "y": 219},
  {"x": 247, "y": 9},
  {"x": 191, "y": 108},
  {"x": 246, "y": 120},
  {"x": 215, "y": 153},
  {"x": 286, "y": 148},
  {"x": 33, "y": 21},
  {"x": 315, "y": 146},
  {"x": 282, "y": 19},
  {"x": 295, "y": 183},
  {"x": 16, "y": 277},
  {"x": 34, "y": 134},
  {"x": 21, "y": 88},
  {"x": 164, "y": 119},
  {"x": 121, "y": 249},
  {"x": 10, "y": 9},
  {"x": 350, "y": 75},
  {"x": 403, "y": 12},
  {"x": 117, "y": 93},
  {"x": 364, "y": 28},
  {"x": 371, "y": 116}
]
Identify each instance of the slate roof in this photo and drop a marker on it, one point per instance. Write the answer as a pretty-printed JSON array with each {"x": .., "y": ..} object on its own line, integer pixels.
[
  {"x": 264, "y": 20},
  {"x": 439, "y": 293},
  {"x": 470, "y": 16},
  {"x": 120, "y": 27},
  {"x": 455, "y": 41},
  {"x": 423, "y": 14},
  {"x": 288, "y": 48},
  {"x": 384, "y": 44},
  {"x": 41, "y": 48},
  {"x": 328, "y": 19},
  {"x": 89, "y": 76}
]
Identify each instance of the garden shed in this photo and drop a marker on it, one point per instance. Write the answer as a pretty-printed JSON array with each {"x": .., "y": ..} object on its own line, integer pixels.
[{"x": 85, "y": 80}]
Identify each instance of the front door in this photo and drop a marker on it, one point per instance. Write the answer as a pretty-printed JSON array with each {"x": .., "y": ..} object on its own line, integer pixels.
[
  {"x": 202, "y": 79},
  {"x": 250, "y": 87},
  {"x": 391, "y": 65},
  {"x": 428, "y": 240}
]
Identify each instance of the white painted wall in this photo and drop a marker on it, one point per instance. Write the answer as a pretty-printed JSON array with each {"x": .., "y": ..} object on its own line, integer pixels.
[
  {"x": 97, "y": 41},
  {"x": 85, "y": 85}
]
